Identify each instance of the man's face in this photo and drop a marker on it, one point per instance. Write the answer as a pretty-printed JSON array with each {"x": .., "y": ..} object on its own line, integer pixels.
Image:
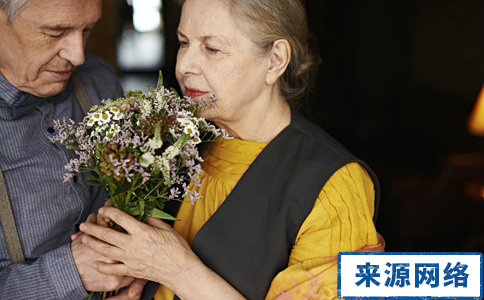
[{"x": 43, "y": 45}]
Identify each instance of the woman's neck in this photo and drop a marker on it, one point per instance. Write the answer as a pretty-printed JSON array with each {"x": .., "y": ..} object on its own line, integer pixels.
[{"x": 260, "y": 123}]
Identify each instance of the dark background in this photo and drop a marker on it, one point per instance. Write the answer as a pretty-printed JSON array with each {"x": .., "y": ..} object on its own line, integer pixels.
[{"x": 397, "y": 85}]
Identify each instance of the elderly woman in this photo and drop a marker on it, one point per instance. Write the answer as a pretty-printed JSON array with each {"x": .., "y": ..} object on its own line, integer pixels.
[{"x": 280, "y": 200}]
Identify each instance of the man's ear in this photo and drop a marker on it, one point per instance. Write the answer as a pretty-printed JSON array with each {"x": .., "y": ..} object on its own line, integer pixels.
[{"x": 279, "y": 57}]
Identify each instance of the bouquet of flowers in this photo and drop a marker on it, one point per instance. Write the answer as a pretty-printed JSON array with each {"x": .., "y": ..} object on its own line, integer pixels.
[{"x": 142, "y": 148}]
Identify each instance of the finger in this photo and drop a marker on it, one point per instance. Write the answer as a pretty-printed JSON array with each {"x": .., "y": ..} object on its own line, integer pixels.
[
  {"x": 156, "y": 222},
  {"x": 136, "y": 288},
  {"x": 129, "y": 223},
  {"x": 105, "y": 221},
  {"x": 91, "y": 219},
  {"x": 126, "y": 294},
  {"x": 121, "y": 296},
  {"x": 101, "y": 221},
  {"x": 126, "y": 281},
  {"x": 75, "y": 236},
  {"x": 106, "y": 250},
  {"x": 106, "y": 234},
  {"x": 113, "y": 269},
  {"x": 129, "y": 293}
]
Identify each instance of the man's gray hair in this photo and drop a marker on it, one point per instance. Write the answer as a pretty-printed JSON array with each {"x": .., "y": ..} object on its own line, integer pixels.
[{"x": 12, "y": 8}]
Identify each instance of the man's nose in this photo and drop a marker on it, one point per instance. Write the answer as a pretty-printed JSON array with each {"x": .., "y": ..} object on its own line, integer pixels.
[{"x": 73, "y": 48}]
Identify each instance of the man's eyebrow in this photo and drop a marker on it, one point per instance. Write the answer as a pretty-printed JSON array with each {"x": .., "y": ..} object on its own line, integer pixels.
[
  {"x": 56, "y": 27},
  {"x": 61, "y": 27}
]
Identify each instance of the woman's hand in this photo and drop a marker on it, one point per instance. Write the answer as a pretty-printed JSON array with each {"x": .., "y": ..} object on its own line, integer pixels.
[{"x": 153, "y": 252}]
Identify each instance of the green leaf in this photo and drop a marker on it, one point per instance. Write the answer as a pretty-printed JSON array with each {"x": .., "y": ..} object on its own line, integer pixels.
[
  {"x": 182, "y": 140},
  {"x": 159, "y": 85},
  {"x": 166, "y": 175},
  {"x": 158, "y": 131},
  {"x": 131, "y": 93},
  {"x": 152, "y": 90},
  {"x": 156, "y": 213},
  {"x": 156, "y": 169},
  {"x": 141, "y": 208},
  {"x": 174, "y": 91},
  {"x": 122, "y": 188},
  {"x": 132, "y": 211},
  {"x": 94, "y": 179}
]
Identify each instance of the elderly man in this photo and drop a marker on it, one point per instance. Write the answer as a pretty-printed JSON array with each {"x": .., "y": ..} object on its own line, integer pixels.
[{"x": 44, "y": 73}]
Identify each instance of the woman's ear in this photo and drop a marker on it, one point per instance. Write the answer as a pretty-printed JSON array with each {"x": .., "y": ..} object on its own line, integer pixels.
[{"x": 279, "y": 58}]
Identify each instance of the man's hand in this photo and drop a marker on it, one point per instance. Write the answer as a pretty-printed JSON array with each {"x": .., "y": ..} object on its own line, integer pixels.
[
  {"x": 133, "y": 292},
  {"x": 86, "y": 261}
]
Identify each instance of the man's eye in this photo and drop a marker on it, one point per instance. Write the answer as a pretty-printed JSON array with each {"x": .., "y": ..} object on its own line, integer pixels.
[
  {"x": 182, "y": 43},
  {"x": 54, "y": 34},
  {"x": 212, "y": 50}
]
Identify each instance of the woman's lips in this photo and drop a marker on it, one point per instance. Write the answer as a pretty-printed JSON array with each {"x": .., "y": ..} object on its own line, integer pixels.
[{"x": 194, "y": 93}]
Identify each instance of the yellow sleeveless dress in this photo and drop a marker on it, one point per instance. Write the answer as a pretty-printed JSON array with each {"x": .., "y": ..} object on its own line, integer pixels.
[{"x": 341, "y": 220}]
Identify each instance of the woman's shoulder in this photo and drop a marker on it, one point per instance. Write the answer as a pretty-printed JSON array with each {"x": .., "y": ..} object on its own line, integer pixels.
[
  {"x": 346, "y": 171},
  {"x": 349, "y": 193},
  {"x": 342, "y": 216},
  {"x": 316, "y": 136}
]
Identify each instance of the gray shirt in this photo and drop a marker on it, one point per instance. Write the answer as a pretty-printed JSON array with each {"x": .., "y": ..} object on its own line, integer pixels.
[{"x": 46, "y": 210}]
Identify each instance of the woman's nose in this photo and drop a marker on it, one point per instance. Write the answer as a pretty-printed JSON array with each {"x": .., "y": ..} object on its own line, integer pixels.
[{"x": 188, "y": 61}]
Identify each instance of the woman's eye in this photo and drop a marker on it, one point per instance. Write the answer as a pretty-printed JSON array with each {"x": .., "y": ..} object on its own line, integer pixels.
[{"x": 182, "y": 43}]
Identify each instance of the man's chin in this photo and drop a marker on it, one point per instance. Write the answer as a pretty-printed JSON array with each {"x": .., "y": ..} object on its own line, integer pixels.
[{"x": 49, "y": 89}]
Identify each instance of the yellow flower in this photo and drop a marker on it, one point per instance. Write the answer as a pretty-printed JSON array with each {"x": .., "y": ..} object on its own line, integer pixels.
[
  {"x": 105, "y": 117},
  {"x": 90, "y": 122}
]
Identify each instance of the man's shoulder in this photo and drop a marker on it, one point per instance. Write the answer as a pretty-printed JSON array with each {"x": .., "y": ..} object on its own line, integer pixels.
[{"x": 96, "y": 67}]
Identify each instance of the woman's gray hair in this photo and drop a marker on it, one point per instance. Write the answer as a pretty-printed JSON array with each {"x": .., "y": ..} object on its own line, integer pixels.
[
  {"x": 12, "y": 8},
  {"x": 266, "y": 21}
]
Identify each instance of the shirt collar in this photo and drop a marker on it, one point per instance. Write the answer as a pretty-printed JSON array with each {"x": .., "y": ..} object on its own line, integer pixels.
[
  {"x": 8, "y": 92},
  {"x": 20, "y": 102}
]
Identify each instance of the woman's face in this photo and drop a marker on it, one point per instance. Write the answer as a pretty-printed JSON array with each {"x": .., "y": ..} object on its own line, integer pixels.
[{"x": 216, "y": 57}]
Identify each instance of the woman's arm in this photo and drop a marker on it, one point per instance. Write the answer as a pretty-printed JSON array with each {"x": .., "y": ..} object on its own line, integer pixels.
[
  {"x": 341, "y": 220},
  {"x": 154, "y": 251}
]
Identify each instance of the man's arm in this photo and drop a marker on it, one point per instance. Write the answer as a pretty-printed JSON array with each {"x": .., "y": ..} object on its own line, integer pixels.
[
  {"x": 63, "y": 273},
  {"x": 52, "y": 276}
]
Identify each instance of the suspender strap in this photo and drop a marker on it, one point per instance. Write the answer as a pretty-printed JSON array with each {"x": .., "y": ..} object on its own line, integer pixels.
[
  {"x": 8, "y": 224},
  {"x": 81, "y": 94}
]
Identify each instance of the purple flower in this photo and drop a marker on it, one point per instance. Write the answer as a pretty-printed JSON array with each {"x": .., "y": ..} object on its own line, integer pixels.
[{"x": 112, "y": 147}]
